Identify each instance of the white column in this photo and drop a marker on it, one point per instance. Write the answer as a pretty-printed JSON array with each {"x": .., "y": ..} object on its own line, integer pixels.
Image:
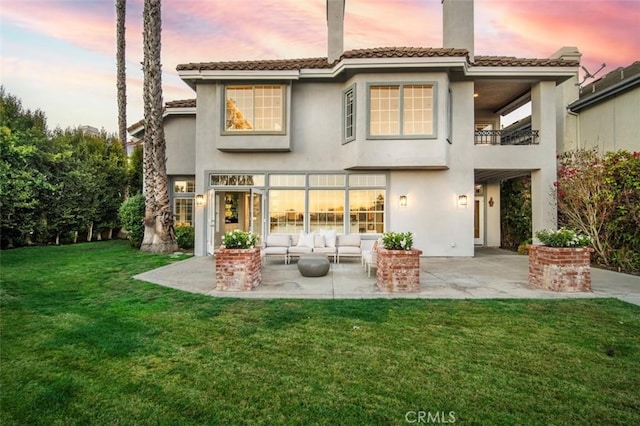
[{"x": 543, "y": 118}]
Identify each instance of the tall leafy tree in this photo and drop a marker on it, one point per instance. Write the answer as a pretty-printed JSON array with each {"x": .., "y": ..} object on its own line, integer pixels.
[
  {"x": 159, "y": 234},
  {"x": 121, "y": 76},
  {"x": 24, "y": 161}
]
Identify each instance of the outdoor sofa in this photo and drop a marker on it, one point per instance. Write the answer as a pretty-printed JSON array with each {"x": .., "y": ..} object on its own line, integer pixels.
[{"x": 288, "y": 246}]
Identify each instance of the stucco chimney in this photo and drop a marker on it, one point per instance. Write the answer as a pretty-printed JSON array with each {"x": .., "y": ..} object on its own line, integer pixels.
[
  {"x": 335, "y": 24},
  {"x": 457, "y": 25}
]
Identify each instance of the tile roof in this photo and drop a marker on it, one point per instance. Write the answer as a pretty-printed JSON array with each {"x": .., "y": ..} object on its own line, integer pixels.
[
  {"x": 512, "y": 61},
  {"x": 182, "y": 103},
  {"x": 378, "y": 52},
  {"x": 259, "y": 65},
  {"x": 403, "y": 52},
  {"x": 613, "y": 77}
]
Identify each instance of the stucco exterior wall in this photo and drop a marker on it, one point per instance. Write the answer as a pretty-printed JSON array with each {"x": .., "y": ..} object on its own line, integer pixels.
[
  {"x": 610, "y": 125},
  {"x": 180, "y": 136}
]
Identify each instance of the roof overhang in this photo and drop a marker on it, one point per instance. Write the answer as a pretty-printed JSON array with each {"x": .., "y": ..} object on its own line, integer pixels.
[
  {"x": 601, "y": 95},
  {"x": 193, "y": 77}
]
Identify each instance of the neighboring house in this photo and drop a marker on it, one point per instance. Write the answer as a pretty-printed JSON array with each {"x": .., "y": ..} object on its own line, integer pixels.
[
  {"x": 605, "y": 116},
  {"x": 365, "y": 141}
]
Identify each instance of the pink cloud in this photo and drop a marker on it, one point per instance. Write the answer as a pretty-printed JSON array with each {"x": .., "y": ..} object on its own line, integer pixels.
[{"x": 604, "y": 31}]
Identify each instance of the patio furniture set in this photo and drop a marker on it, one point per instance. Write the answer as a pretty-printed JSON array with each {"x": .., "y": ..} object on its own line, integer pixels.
[{"x": 314, "y": 250}]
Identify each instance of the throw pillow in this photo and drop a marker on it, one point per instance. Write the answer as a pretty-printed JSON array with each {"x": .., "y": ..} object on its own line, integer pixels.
[
  {"x": 318, "y": 241},
  {"x": 306, "y": 240},
  {"x": 329, "y": 237}
]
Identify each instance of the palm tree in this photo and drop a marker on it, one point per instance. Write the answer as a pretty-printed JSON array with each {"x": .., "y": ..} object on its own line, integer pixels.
[
  {"x": 159, "y": 234},
  {"x": 121, "y": 84}
]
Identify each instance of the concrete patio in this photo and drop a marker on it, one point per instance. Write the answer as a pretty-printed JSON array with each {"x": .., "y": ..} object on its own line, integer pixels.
[{"x": 491, "y": 274}]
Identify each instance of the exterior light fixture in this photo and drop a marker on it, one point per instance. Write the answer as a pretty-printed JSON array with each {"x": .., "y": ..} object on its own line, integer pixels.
[
  {"x": 462, "y": 201},
  {"x": 403, "y": 201},
  {"x": 491, "y": 202},
  {"x": 200, "y": 199}
]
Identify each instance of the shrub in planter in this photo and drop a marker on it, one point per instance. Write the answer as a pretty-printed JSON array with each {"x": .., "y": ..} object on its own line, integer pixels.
[
  {"x": 238, "y": 239},
  {"x": 185, "y": 235},
  {"x": 562, "y": 263},
  {"x": 397, "y": 240},
  {"x": 563, "y": 237}
]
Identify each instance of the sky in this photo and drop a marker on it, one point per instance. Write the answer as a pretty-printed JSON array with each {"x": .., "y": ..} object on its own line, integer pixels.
[{"x": 59, "y": 55}]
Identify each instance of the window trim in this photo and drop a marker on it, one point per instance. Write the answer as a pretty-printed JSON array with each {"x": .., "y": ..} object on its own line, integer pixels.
[
  {"x": 400, "y": 85},
  {"x": 175, "y": 210},
  {"x": 345, "y": 138},
  {"x": 223, "y": 115},
  {"x": 347, "y": 188}
]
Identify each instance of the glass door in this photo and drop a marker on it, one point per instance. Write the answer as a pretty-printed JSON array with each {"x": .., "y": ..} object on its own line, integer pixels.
[
  {"x": 257, "y": 212},
  {"x": 478, "y": 221},
  {"x": 211, "y": 222}
]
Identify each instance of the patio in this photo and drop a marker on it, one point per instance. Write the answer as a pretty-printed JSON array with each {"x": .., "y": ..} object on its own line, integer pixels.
[{"x": 491, "y": 274}]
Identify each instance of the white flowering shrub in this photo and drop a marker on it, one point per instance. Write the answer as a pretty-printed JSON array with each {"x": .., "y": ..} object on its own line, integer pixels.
[
  {"x": 238, "y": 239},
  {"x": 563, "y": 237},
  {"x": 397, "y": 240}
]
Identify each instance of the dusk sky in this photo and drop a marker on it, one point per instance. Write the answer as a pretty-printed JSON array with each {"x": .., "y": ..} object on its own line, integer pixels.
[{"x": 59, "y": 55}]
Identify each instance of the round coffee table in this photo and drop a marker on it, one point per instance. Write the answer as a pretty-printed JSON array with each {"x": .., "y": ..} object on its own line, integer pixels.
[{"x": 313, "y": 265}]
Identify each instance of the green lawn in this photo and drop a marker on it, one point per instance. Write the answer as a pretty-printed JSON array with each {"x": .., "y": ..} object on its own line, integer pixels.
[{"x": 83, "y": 343}]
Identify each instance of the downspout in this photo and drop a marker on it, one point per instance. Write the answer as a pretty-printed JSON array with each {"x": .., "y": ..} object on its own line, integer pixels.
[{"x": 577, "y": 116}]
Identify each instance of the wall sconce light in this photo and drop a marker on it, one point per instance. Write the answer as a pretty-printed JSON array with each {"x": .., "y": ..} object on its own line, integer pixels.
[
  {"x": 403, "y": 201},
  {"x": 462, "y": 201},
  {"x": 200, "y": 200},
  {"x": 491, "y": 202}
]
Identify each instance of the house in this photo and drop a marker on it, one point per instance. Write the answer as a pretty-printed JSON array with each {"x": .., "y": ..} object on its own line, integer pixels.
[
  {"x": 365, "y": 141},
  {"x": 605, "y": 115}
]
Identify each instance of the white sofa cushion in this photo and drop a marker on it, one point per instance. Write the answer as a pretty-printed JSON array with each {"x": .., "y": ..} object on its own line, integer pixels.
[
  {"x": 318, "y": 241},
  {"x": 278, "y": 240},
  {"x": 352, "y": 240}
]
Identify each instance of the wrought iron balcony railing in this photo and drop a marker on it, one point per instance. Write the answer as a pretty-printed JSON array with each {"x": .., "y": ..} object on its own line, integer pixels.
[{"x": 508, "y": 137}]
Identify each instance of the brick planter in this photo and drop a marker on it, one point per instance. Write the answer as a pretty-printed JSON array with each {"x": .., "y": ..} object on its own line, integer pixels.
[
  {"x": 560, "y": 268},
  {"x": 398, "y": 271},
  {"x": 238, "y": 269}
]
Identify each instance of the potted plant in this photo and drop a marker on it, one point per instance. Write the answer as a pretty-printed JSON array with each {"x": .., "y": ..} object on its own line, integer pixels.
[
  {"x": 238, "y": 262},
  {"x": 398, "y": 263},
  {"x": 562, "y": 262}
]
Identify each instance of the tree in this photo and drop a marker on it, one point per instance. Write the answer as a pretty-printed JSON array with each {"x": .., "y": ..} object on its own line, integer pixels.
[
  {"x": 135, "y": 172},
  {"x": 159, "y": 234},
  {"x": 24, "y": 161},
  {"x": 121, "y": 75}
]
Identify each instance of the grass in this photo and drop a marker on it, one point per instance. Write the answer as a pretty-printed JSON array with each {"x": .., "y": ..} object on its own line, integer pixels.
[{"x": 83, "y": 343}]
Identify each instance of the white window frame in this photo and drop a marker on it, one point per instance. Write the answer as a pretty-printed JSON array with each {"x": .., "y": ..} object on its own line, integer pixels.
[
  {"x": 400, "y": 86},
  {"x": 283, "y": 106},
  {"x": 349, "y": 114}
]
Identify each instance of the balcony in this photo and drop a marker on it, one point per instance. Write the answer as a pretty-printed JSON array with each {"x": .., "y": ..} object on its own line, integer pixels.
[{"x": 506, "y": 137}]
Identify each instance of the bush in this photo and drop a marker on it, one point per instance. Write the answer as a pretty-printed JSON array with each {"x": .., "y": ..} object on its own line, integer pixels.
[
  {"x": 397, "y": 240},
  {"x": 523, "y": 248},
  {"x": 185, "y": 236},
  {"x": 238, "y": 239},
  {"x": 563, "y": 237},
  {"x": 599, "y": 195},
  {"x": 131, "y": 215}
]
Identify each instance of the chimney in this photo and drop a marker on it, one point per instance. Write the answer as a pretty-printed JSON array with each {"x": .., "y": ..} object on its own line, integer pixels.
[
  {"x": 457, "y": 25},
  {"x": 335, "y": 24}
]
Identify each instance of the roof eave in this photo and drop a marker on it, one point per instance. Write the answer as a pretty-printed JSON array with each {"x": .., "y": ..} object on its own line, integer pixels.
[
  {"x": 192, "y": 77},
  {"x": 605, "y": 93},
  {"x": 558, "y": 73}
]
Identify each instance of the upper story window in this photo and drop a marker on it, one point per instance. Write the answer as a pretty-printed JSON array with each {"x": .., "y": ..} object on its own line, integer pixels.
[
  {"x": 184, "y": 185},
  {"x": 401, "y": 110},
  {"x": 349, "y": 107},
  {"x": 254, "y": 108}
]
